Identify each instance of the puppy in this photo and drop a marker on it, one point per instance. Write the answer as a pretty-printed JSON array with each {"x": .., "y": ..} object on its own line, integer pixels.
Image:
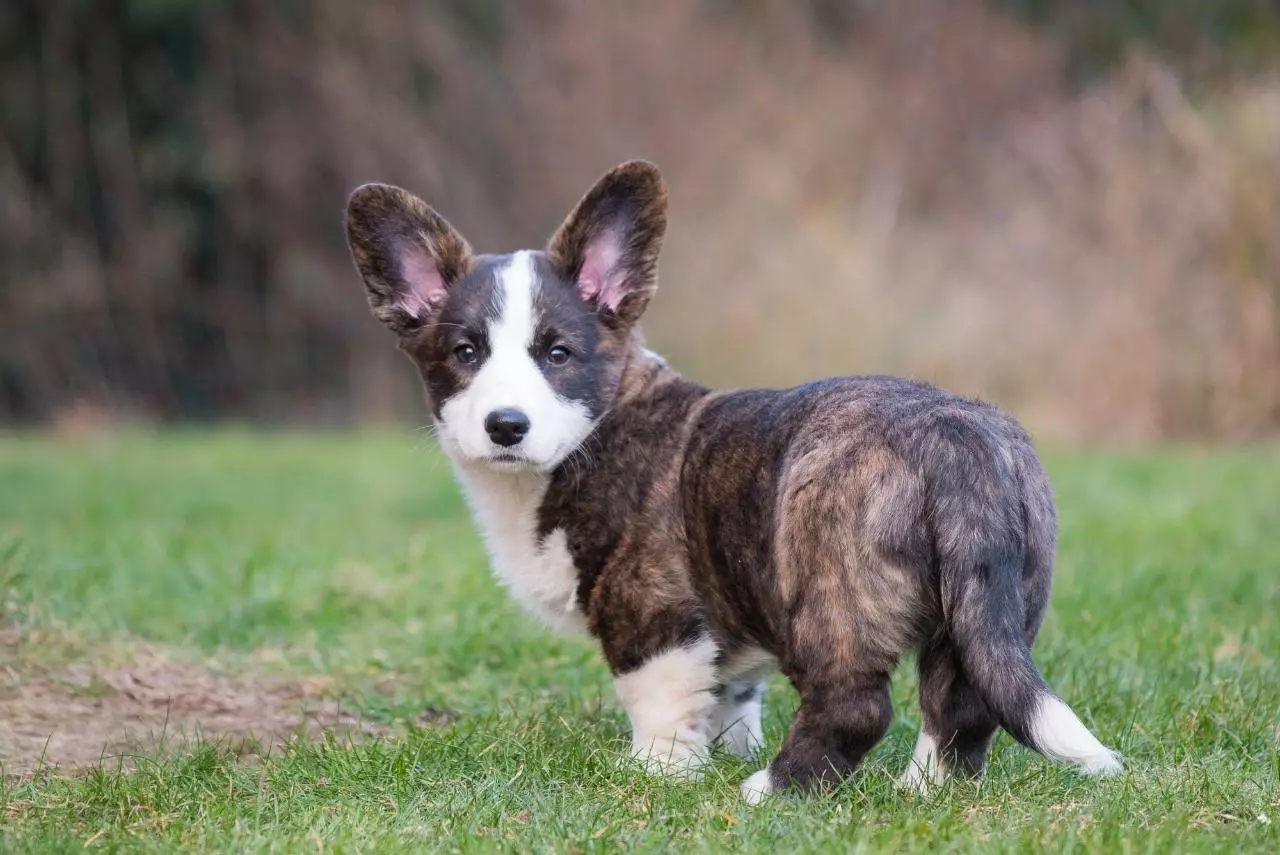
[{"x": 705, "y": 538}]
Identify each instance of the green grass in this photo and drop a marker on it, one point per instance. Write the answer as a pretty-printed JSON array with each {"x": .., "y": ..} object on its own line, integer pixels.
[{"x": 353, "y": 557}]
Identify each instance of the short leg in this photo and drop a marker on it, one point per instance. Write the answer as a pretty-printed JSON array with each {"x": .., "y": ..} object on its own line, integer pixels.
[
  {"x": 736, "y": 721},
  {"x": 837, "y": 724},
  {"x": 924, "y": 769},
  {"x": 957, "y": 728},
  {"x": 671, "y": 702}
]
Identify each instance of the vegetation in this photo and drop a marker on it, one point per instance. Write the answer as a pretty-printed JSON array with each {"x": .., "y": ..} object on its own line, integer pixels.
[
  {"x": 1038, "y": 191},
  {"x": 346, "y": 565}
]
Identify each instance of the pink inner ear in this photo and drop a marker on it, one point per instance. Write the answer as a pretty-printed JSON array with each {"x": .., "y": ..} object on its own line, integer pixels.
[
  {"x": 602, "y": 278},
  {"x": 426, "y": 286}
]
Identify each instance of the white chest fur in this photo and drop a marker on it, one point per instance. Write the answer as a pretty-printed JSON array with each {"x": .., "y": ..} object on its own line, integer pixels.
[{"x": 542, "y": 577}]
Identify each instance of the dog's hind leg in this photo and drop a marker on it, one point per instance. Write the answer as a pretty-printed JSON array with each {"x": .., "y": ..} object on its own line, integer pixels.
[
  {"x": 837, "y": 723},
  {"x": 851, "y": 613},
  {"x": 958, "y": 725}
]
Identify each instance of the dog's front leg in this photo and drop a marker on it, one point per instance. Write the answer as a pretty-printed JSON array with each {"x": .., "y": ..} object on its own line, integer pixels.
[
  {"x": 736, "y": 723},
  {"x": 671, "y": 702}
]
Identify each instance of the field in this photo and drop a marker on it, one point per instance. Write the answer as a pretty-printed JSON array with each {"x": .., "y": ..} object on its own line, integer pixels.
[{"x": 239, "y": 641}]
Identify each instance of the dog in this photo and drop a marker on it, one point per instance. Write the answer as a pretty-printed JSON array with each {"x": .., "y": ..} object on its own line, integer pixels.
[{"x": 706, "y": 538}]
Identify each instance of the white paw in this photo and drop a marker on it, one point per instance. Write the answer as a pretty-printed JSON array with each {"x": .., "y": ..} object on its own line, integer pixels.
[
  {"x": 670, "y": 759},
  {"x": 912, "y": 780},
  {"x": 924, "y": 770},
  {"x": 736, "y": 724},
  {"x": 916, "y": 780},
  {"x": 755, "y": 788},
  {"x": 741, "y": 740}
]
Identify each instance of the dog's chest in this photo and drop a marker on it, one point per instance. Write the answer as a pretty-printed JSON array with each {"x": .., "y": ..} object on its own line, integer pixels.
[{"x": 541, "y": 577}]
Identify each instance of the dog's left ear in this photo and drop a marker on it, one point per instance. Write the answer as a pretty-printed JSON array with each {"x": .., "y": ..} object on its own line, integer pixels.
[{"x": 608, "y": 246}]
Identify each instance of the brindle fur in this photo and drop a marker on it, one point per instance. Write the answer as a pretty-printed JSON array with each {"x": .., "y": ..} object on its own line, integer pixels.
[
  {"x": 802, "y": 522},
  {"x": 836, "y": 525}
]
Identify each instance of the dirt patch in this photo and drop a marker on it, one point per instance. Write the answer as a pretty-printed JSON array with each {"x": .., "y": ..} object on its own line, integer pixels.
[{"x": 78, "y": 717}]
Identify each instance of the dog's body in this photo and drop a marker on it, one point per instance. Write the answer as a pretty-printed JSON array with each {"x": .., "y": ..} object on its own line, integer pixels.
[{"x": 706, "y": 537}]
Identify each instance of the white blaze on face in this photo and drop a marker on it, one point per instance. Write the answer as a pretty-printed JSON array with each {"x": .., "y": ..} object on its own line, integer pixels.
[{"x": 510, "y": 378}]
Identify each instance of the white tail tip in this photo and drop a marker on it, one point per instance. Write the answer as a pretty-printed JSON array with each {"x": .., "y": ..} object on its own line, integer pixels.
[{"x": 1061, "y": 736}]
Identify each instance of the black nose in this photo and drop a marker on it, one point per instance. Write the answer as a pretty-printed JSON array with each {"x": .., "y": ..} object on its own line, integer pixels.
[{"x": 507, "y": 426}]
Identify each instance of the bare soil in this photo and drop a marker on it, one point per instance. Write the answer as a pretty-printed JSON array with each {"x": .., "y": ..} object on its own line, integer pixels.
[{"x": 76, "y": 717}]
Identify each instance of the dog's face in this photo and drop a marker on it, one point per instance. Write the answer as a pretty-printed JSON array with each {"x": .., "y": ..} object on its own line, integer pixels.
[{"x": 521, "y": 354}]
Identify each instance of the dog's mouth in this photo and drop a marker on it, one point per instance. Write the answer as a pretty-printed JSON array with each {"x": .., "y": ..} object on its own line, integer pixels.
[{"x": 508, "y": 461}]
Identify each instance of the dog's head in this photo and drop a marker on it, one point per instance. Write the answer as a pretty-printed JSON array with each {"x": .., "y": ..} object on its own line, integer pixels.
[{"x": 521, "y": 354}]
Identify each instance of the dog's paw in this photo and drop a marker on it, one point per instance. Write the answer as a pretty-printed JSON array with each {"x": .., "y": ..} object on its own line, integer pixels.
[
  {"x": 671, "y": 759},
  {"x": 755, "y": 788},
  {"x": 914, "y": 780},
  {"x": 925, "y": 771}
]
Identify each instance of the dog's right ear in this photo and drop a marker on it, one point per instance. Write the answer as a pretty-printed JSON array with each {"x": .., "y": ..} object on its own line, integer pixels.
[{"x": 407, "y": 254}]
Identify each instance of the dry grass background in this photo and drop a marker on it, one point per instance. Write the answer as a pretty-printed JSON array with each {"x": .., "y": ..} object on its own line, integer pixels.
[{"x": 925, "y": 193}]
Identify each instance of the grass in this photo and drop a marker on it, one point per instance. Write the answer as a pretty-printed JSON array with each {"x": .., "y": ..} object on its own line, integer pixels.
[{"x": 351, "y": 558}]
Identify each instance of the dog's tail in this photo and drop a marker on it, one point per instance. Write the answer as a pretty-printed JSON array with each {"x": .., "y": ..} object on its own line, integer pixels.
[{"x": 996, "y": 542}]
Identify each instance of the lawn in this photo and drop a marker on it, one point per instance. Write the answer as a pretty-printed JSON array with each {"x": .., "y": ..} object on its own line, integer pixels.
[{"x": 239, "y": 641}]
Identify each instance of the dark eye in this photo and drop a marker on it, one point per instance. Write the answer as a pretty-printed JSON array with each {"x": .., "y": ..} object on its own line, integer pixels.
[
  {"x": 465, "y": 353},
  {"x": 558, "y": 355}
]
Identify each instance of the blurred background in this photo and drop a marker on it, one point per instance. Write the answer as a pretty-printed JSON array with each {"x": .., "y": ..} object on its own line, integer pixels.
[{"x": 1070, "y": 207}]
